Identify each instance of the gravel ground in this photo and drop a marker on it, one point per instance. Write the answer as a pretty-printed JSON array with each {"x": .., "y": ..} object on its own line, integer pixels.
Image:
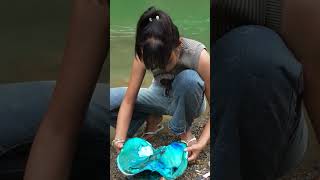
[
  {"x": 194, "y": 171},
  {"x": 308, "y": 170}
]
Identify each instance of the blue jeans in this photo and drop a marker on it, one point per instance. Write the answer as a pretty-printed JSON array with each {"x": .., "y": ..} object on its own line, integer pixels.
[
  {"x": 258, "y": 130},
  {"x": 184, "y": 103},
  {"x": 22, "y": 106}
]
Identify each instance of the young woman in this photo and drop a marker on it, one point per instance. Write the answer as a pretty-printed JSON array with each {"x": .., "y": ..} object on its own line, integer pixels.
[{"x": 181, "y": 70}]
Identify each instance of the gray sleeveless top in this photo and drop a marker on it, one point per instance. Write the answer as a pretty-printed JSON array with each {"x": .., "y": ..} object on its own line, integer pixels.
[{"x": 189, "y": 59}]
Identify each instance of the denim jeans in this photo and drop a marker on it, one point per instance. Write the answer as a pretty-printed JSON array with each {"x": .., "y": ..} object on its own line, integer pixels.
[
  {"x": 22, "y": 106},
  {"x": 184, "y": 103},
  {"x": 258, "y": 130}
]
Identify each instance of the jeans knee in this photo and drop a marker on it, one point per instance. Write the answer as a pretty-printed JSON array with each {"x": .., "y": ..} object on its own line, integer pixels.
[
  {"x": 188, "y": 82},
  {"x": 188, "y": 94},
  {"x": 258, "y": 51}
]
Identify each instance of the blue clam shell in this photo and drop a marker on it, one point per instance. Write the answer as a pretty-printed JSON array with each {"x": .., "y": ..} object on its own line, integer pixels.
[{"x": 138, "y": 155}]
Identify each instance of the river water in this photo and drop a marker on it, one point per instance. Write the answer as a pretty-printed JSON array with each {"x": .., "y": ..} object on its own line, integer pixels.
[{"x": 191, "y": 17}]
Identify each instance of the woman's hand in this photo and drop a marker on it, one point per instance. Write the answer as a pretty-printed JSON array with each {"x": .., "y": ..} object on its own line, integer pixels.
[
  {"x": 118, "y": 144},
  {"x": 127, "y": 105},
  {"x": 194, "y": 150},
  {"x": 204, "y": 72}
]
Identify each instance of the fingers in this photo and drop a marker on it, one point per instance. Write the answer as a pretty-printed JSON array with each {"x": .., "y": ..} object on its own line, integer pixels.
[
  {"x": 118, "y": 150},
  {"x": 192, "y": 148},
  {"x": 118, "y": 147},
  {"x": 189, "y": 149},
  {"x": 193, "y": 151},
  {"x": 193, "y": 156}
]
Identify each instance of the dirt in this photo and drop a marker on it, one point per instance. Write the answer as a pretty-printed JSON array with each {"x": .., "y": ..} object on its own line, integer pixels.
[
  {"x": 194, "y": 171},
  {"x": 308, "y": 170}
]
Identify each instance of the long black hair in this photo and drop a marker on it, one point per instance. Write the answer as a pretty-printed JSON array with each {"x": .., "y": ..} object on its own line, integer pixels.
[{"x": 156, "y": 38}]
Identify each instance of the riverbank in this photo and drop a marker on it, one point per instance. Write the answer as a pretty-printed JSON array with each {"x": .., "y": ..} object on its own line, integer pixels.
[
  {"x": 194, "y": 171},
  {"x": 308, "y": 170}
]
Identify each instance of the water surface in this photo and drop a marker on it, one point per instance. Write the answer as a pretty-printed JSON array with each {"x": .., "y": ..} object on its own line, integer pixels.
[{"x": 191, "y": 17}]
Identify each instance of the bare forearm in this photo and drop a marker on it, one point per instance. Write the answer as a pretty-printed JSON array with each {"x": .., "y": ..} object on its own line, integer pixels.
[
  {"x": 51, "y": 153},
  {"x": 123, "y": 121},
  {"x": 127, "y": 105}
]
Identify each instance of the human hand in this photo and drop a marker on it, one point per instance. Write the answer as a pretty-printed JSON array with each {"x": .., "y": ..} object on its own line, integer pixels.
[
  {"x": 194, "y": 150},
  {"x": 118, "y": 144}
]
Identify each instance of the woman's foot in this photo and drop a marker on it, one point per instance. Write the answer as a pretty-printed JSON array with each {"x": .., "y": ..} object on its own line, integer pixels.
[
  {"x": 188, "y": 138},
  {"x": 152, "y": 125}
]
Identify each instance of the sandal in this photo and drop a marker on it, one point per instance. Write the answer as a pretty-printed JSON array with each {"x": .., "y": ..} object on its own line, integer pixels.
[
  {"x": 189, "y": 141},
  {"x": 152, "y": 133}
]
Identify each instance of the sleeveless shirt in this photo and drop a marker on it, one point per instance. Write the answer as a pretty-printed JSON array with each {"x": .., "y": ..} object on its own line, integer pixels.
[{"x": 188, "y": 59}]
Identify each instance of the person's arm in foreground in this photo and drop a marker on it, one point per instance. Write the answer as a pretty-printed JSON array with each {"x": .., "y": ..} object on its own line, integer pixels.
[
  {"x": 127, "y": 105},
  {"x": 300, "y": 29},
  {"x": 204, "y": 72},
  {"x": 86, "y": 49}
]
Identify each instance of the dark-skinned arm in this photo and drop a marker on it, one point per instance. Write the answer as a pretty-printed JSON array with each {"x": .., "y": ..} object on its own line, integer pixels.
[{"x": 86, "y": 49}]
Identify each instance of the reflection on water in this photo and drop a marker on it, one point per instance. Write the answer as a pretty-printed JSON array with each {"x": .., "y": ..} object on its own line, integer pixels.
[{"x": 191, "y": 17}]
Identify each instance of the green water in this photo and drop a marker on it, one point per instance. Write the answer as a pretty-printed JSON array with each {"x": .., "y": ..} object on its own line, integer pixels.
[
  {"x": 32, "y": 39},
  {"x": 191, "y": 17}
]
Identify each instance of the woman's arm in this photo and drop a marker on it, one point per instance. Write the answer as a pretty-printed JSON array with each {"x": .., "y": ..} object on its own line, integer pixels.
[
  {"x": 204, "y": 72},
  {"x": 300, "y": 29},
  {"x": 86, "y": 49},
  {"x": 126, "y": 109}
]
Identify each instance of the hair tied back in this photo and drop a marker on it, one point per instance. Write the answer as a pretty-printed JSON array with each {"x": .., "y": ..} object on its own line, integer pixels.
[{"x": 157, "y": 18}]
